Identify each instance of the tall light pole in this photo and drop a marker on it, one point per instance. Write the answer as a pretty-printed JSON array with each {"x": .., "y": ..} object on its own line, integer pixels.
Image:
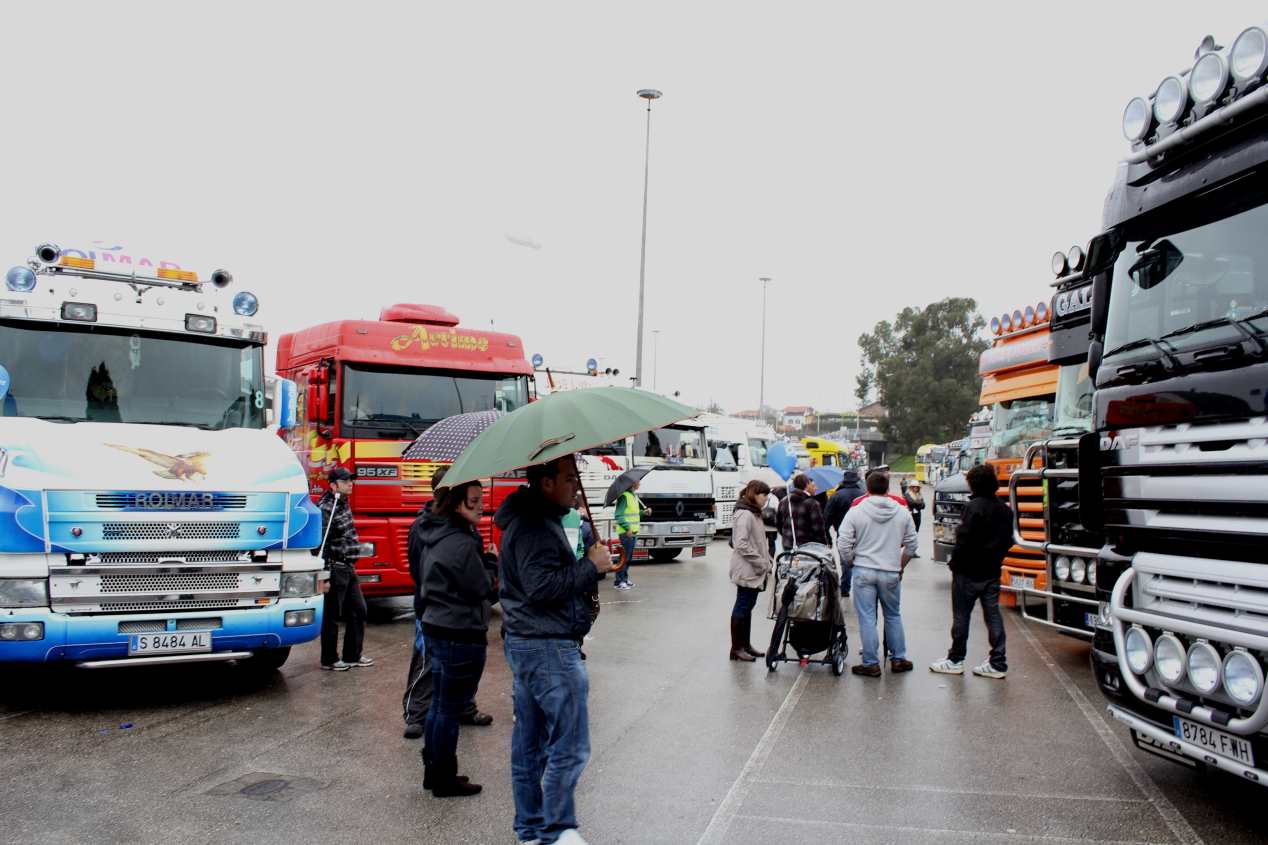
[
  {"x": 761, "y": 402},
  {"x": 655, "y": 356},
  {"x": 647, "y": 94}
]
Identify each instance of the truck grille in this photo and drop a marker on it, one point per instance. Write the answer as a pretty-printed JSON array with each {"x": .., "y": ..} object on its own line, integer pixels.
[
  {"x": 171, "y": 530},
  {"x": 687, "y": 509},
  {"x": 158, "y": 626},
  {"x": 1229, "y": 594},
  {"x": 169, "y": 582},
  {"x": 182, "y": 604},
  {"x": 167, "y": 558},
  {"x": 218, "y": 502}
]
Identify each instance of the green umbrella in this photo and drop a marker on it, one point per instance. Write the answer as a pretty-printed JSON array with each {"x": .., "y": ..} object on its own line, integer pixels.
[{"x": 561, "y": 424}]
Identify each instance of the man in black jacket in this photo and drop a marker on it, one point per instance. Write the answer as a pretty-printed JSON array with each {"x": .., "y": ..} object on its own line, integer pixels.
[
  {"x": 340, "y": 551},
  {"x": 850, "y": 488},
  {"x": 981, "y": 542},
  {"x": 545, "y": 615}
]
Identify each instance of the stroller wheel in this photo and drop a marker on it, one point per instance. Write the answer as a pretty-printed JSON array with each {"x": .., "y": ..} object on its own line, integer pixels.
[{"x": 838, "y": 662}]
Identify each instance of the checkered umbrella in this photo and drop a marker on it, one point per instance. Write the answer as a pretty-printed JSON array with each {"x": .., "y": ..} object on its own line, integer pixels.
[{"x": 445, "y": 440}]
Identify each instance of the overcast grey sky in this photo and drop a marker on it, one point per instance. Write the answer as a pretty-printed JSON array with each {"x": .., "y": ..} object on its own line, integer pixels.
[{"x": 342, "y": 157}]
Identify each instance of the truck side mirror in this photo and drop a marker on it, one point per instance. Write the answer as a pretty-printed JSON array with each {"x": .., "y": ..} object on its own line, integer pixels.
[{"x": 1095, "y": 351}]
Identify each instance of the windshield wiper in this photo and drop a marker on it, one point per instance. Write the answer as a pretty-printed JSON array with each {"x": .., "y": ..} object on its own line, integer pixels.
[
  {"x": 387, "y": 422},
  {"x": 1239, "y": 324},
  {"x": 56, "y": 418},
  {"x": 203, "y": 426},
  {"x": 1168, "y": 351}
]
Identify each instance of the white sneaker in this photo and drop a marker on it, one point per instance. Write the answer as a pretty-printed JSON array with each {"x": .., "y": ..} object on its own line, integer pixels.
[
  {"x": 947, "y": 666},
  {"x": 621, "y": 587},
  {"x": 630, "y": 584},
  {"x": 362, "y": 663},
  {"x": 531, "y": 842},
  {"x": 570, "y": 837},
  {"x": 987, "y": 671},
  {"x": 337, "y": 666}
]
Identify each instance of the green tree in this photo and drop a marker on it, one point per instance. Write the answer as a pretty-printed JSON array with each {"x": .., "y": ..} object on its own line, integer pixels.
[{"x": 924, "y": 367}]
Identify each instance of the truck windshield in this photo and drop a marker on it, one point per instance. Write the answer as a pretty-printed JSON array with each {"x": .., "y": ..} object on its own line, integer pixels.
[
  {"x": 1074, "y": 400},
  {"x": 1183, "y": 286},
  {"x": 1019, "y": 423},
  {"x": 89, "y": 373},
  {"x": 757, "y": 451},
  {"x": 671, "y": 446},
  {"x": 404, "y": 403}
]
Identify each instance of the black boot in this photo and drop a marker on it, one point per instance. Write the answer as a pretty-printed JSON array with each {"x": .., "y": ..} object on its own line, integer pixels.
[
  {"x": 447, "y": 783},
  {"x": 429, "y": 772},
  {"x": 737, "y": 642},
  {"x": 748, "y": 646}
]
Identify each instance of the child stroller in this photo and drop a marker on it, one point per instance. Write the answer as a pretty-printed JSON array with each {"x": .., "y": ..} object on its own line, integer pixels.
[{"x": 806, "y": 607}]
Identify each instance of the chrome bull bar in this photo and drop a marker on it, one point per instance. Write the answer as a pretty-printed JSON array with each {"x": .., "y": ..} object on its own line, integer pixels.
[
  {"x": 1120, "y": 614},
  {"x": 1184, "y": 748},
  {"x": 1044, "y": 548}
]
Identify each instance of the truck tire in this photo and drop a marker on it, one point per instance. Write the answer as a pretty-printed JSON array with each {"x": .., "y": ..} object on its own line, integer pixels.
[
  {"x": 664, "y": 555},
  {"x": 267, "y": 659}
]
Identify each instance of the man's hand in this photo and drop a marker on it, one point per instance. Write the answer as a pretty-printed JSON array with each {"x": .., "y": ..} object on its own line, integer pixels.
[{"x": 601, "y": 558}]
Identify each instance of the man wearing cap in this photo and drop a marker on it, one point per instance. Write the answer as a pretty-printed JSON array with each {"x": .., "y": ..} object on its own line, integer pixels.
[{"x": 340, "y": 549}]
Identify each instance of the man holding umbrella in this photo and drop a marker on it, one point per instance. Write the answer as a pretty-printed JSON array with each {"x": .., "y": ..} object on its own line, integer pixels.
[{"x": 629, "y": 513}]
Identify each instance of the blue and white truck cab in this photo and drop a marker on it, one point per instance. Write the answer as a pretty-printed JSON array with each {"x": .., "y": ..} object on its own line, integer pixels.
[{"x": 147, "y": 512}]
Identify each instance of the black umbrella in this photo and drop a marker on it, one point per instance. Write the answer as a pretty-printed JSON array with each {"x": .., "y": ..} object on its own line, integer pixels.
[{"x": 624, "y": 482}]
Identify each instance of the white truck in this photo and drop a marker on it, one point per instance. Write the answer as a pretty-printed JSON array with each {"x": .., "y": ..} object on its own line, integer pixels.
[
  {"x": 148, "y": 514},
  {"x": 678, "y": 491},
  {"x": 737, "y": 454}
]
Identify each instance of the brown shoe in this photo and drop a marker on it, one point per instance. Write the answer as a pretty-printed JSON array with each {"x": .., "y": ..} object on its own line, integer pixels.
[
  {"x": 737, "y": 641},
  {"x": 870, "y": 670},
  {"x": 900, "y": 665}
]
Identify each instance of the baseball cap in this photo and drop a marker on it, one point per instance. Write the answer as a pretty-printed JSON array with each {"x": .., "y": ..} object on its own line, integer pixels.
[{"x": 339, "y": 474}]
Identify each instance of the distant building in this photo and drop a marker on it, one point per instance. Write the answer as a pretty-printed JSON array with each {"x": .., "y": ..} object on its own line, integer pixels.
[
  {"x": 873, "y": 411},
  {"x": 796, "y": 417},
  {"x": 748, "y": 415}
]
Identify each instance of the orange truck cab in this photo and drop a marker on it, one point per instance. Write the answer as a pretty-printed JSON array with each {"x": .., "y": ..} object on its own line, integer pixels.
[
  {"x": 1020, "y": 387},
  {"x": 367, "y": 389}
]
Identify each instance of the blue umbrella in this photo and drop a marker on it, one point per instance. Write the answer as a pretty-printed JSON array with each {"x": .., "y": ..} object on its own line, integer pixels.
[
  {"x": 445, "y": 440},
  {"x": 825, "y": 478}
]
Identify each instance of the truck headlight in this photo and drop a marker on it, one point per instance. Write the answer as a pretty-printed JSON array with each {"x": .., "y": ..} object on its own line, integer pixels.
[
  {"x": 1061, "y": 567},
  {"x": 298, "y": 585},
  {"x": 365, "y": 550},
  {"x": 1139, "y": 650},
  {"x": 21, "y": 631},
  {"x": 1204, "y": 667},
  {"x": 1091, "y": 572},
  {"x": 23, "y": 592},
  {"x": 1243, "y": 679},
  {"x": 1078, "y": 569},
  {"x": 1169, "y": 658}
]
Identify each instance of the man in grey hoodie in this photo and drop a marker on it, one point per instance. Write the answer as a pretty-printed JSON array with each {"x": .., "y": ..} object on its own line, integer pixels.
[{"x": 879, "y": 537}]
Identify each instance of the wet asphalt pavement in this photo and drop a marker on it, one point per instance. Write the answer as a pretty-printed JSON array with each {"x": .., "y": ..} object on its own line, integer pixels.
[{"x": 687, "y": 746}]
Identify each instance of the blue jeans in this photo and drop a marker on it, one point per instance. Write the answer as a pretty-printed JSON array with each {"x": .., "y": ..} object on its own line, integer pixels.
[
  {"x": 550, "y": 743},
  {"x": 628, "y": 542},
  {"x": 456, "y": 669},
  {"x": 745, "y": 601},
  {"x": 871, "y": 585}
]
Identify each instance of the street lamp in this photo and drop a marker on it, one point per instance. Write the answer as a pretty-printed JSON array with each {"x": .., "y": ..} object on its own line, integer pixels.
[
  {"x": 647, "y": 94},
  {"x": 655, "y": 356},
  {"x": 761, "y": 402}
]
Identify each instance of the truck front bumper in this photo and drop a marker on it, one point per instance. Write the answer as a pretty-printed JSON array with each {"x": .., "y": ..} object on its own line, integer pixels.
[
  {"x": 73, "y": 637},
  {"x": 674, "y": 535}
]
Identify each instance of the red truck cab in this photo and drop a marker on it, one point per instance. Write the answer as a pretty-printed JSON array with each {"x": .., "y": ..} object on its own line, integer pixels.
[{"x": 367, "y": 388}]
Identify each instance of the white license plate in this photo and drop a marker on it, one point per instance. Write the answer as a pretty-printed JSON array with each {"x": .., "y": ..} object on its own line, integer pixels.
[
  {"x": 1217, "y": 742},
  {"x": 177, "y": 643},
  {"x": 680, "y": 529},
  {"x": 1021, "y": 582}
]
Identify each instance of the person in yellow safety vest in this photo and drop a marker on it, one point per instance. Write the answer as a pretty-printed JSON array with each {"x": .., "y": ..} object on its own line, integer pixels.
[{"x": 629, "y": 513}]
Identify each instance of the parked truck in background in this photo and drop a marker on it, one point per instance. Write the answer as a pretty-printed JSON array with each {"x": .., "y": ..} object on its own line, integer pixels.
[
  {"x": 368, "y": 388},
  {"x": 678, "y": 491},
  {"x": 737, "y": 454},
  {"x": 951, "y": 494},
  {"x": 1176, "y": 470},
  {"x": 1069, "y": 601},
  {"x": 146, "y": 514}
]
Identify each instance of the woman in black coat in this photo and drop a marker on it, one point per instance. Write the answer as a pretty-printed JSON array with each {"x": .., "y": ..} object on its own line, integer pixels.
[{"x": 457, "y": 583}]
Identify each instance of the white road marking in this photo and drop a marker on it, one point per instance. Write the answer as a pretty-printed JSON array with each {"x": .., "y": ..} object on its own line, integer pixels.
[
  {"x": 1177, "y": 823},
  {"x": 728, "y": 810},
  {"x": 830, "y": 783},
  {"x": 1008, "y": 836}
]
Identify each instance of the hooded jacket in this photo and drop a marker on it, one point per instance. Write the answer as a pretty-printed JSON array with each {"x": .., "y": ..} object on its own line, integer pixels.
[
  {"x": 545, "y": 588},
  {"x": 807, "y": 519},
  {"x": 875, "y": 533},
  {"x": 454, "y": 582},
  {"x": 983, "y": 539},
  {"x": 850, "y": 488}
]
